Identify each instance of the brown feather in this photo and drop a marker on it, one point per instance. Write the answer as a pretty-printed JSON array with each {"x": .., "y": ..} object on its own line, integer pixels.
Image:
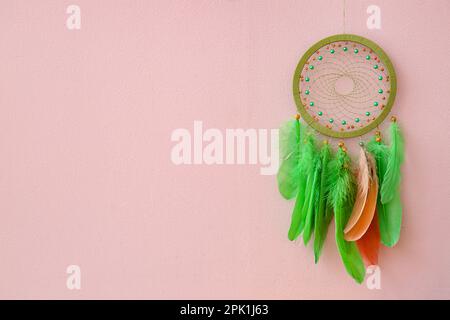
[
  {"x": 368, "y": 211},
  {"x": 363, "y": 188}
]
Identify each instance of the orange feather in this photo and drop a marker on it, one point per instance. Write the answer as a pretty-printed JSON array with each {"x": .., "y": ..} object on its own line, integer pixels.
[
  {"x": 366, "y": 216},
  {"x": 363, "y": 182},
  {"x": 369, "y": 244}
]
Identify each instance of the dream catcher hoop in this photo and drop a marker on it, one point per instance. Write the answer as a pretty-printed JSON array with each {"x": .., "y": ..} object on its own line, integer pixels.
[{"x": 344, "y": 87}]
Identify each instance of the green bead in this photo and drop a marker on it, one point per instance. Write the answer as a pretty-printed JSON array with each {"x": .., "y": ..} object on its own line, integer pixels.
[
  {"x": 320, "y": 113},
  {"x": 357, "y": 120},
  {"x": 367, "y": 57},
  {"x": 332, "y": 51},
  {"x": 375, "y": 104},
  {"x": 380, "y": 78},
  {"x": 356, "y": 51},
  {"x": 375, "y": 66},
  {"x": 380, "y": 90},
  {"x": 344, "y": 122},
  {"x": 306, "y": 91},
  {"x": 367, "y": 113},
  {"x": 345, "y": 48},
  {"x": 307, "y": 79},
  {"x": 331, "y": 120},
  {"x": 311, "y": 104},
  {"x": 311, "y": 67},
  {"x": 320, "y": 58}
]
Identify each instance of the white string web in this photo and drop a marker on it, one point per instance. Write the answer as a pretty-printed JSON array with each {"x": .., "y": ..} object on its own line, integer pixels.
[{"x": 366, "y": 77}]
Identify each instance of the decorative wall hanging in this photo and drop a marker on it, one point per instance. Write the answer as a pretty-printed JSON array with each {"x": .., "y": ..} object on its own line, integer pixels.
[{"x": 344, "y": 87}]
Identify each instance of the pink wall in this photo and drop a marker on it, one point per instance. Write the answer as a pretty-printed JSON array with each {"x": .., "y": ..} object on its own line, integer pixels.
[{"x": 85, "y": 170}]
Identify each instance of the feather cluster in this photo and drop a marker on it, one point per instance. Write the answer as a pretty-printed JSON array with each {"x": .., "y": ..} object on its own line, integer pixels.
[
  {"x": 342, "y": 187},
  {"x": 388, "y": 161},
  {"x": 365, "y": 203}
]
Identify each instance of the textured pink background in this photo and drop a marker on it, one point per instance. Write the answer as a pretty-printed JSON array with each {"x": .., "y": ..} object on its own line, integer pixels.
[{"x": 85, "y": 170}]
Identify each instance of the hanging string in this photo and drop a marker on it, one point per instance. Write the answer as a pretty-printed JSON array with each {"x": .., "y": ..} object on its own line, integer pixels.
[{"x": 343, "y": 16}]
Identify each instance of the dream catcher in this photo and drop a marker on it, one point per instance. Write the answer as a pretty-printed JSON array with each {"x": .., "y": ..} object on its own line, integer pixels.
[{"x": 344, "y": 87}]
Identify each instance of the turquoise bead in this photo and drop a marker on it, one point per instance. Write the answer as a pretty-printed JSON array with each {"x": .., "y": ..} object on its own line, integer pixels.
[
  {"x": 331, "y": 120},
  {"x": 345, "y": 48},
  {"x": 306, "y": 91},
  {"x": 367, "y": 57},
  {"x": 375, "y": 104},
  {"x": 380, "y": 78},
  {"x": 344, "y": 122},
  {"x": 320, "y": 113},
  {"x": 380, "y": 90},
  {"x": 367, "y": 113},
  {"x": 375, "y": 66},
  {"x": 320, "y": 58},
  {"x": 357, "y": 120},
  {"x": 307, "y": 79},
  {"x": 311, "y": 67},
  {"x": 356, "y": 51},
  {"x": 332, "y": 51},
  {"x": 311, "y": 104}
]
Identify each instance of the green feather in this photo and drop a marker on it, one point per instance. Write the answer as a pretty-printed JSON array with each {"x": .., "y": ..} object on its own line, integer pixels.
[
  {"x": 391, "y": 180},
  {"x": 312, "y": 202},
  {"x": 392, "y": 221},
  {"x": 324, "y": 213},
  {"x": 288, "y": 173},
  {"x": 297, "y": 212},
  {"x": 297, "y": 229},
  {"x": 304, "y": 186},
  {"x": 341, "y": 188},
  {"x": 389, "y": 214},
  {"x": 307, "y": 165},
  {"x": 309, "y": 154}
]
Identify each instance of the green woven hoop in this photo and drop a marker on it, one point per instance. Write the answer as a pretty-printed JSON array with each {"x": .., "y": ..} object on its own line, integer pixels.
[{"x": 386, "y": 61}]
